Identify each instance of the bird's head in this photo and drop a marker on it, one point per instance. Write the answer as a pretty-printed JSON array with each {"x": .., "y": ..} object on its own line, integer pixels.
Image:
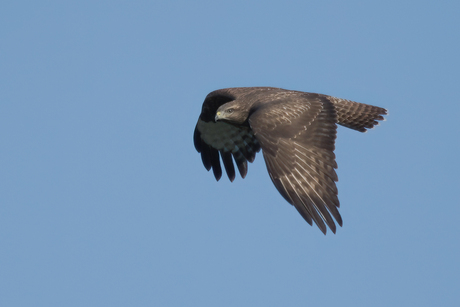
[{"x": 231, "y": 112}]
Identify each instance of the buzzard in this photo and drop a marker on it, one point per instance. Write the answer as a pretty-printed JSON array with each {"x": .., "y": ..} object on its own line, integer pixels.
[{"x": 296, "y": 132}]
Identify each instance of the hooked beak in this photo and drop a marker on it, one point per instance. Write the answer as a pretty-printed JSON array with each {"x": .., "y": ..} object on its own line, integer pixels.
[{"x": 217, "y": 116}]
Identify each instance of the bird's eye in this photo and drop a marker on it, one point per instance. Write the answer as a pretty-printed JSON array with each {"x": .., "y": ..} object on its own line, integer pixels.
[{"x": 229, "y": 111}]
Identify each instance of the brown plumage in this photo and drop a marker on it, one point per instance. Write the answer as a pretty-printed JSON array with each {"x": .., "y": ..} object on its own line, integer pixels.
[{"x": 296, "y": 132}]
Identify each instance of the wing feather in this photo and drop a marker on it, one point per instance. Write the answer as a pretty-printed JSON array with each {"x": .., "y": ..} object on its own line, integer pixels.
[
  {"x": 231, "y": 142},
  {"x": 298, "y": 151},
  {"x": 228, "y": 164},
  {"x": 214, "y": 155}
]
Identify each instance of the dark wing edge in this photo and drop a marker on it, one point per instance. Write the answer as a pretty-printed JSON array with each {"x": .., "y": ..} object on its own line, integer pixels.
[
  {"x": 224, "y": 140},
  {"x": 209, "y": 155}
]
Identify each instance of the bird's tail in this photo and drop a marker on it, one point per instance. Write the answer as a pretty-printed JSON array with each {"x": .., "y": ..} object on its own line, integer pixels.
[{"x": 357, "y": 116}]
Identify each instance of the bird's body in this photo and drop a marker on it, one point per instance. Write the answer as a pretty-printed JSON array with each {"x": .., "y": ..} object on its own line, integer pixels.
[{"x": 296, "y": 132}]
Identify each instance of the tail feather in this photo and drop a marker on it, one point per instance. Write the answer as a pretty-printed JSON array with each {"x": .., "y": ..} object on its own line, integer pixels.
[{"x": 357, "y": 116}]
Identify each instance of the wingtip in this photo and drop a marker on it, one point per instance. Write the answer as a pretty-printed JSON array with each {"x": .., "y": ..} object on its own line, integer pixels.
[
  {"x": 324, "y": 231},
  {"x": 217, "y": 175}
]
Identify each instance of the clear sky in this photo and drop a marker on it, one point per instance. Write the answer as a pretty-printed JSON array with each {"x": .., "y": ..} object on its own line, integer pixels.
[{"x": 105, "y": 202}]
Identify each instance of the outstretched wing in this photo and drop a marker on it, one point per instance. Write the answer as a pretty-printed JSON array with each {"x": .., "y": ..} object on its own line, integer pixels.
[
  {"x": 297, "y": 137},
  {"x": 211, "y": 139}
]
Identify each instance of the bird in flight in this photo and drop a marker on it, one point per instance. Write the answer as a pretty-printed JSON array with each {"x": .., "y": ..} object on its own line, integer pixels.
[{"x": 296, "y": 132}]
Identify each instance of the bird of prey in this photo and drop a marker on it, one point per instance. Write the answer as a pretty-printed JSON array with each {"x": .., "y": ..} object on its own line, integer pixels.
[{"x": 296, "y": 132}]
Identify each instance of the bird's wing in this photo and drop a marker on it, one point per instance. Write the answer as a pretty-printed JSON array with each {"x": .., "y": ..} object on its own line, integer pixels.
[
  {"x": 297, "y": 137},
  {"x": 211, "y": 139}
]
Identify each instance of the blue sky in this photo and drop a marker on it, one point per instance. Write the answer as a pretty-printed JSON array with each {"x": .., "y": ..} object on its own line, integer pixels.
[{"x": 105, "y": 202}]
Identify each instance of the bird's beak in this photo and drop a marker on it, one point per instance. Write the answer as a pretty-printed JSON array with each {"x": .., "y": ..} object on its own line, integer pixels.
[{"x": 217, "y": 116}]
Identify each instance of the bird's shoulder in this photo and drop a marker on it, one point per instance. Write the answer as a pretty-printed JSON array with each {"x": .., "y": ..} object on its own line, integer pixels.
[{"x": 288, "y": 112}]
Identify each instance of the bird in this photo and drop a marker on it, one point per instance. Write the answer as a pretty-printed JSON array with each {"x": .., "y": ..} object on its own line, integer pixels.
[{"x": 296, "y": 132}]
